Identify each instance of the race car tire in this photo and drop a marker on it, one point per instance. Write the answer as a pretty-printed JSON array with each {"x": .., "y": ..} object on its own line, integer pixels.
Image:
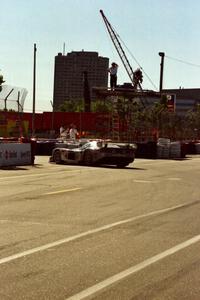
[
  {"x": 57, "y": 157},
  {"x": 122, "y": 165},
  {"x": 88, "y": 158}
]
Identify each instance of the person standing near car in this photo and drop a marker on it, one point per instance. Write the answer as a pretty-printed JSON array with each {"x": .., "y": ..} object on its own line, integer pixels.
[
  {"x": 61, "y": 129},
  {"x": 64, "y": 132},
  {"x": 73, "y": 132}
]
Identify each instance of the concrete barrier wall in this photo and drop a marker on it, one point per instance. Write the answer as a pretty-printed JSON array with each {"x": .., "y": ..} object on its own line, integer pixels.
[{"x": 15, "y": 154}]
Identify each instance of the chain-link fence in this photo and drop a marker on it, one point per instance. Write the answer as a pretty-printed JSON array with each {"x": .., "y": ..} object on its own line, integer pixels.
[{"x": 12, "y": 98}]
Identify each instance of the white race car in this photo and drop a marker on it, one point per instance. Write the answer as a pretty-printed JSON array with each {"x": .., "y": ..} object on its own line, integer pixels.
[{"x": 97, "y": 152}]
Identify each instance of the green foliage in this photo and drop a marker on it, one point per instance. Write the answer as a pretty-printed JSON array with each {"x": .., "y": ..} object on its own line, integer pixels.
[
  {"x": 169, "y": 124},
  {"x": 193, "y": 120},
  {"x": 163, "y": 100},
  {"x": 101, "y": 106},
  {"x": 71, "y": 106},
  {"x": 1, "y": 81},
  {"x": 78, "y": 106}
]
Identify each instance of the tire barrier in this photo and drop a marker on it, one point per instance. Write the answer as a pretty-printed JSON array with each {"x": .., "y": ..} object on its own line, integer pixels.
[
  {"x": 163, "y": 148},
  {"x": 192, "y": 147},
  {"x": 146, "y": 150},
  {"x": 44, "y": 147},
  {"x": 175, "y": 150},
  {"x": 197, "y": 148}
]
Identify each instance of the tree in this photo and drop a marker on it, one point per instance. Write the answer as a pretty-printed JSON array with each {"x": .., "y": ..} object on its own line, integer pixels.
[
  {"x": 101, "y": 106},
  {"x": 1, "y": 81},
  {"x": 193, "y": 121},
  {"x": 71, "y": 106}
]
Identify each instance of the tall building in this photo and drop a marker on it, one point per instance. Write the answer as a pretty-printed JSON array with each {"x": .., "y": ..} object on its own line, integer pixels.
[{"x": 68, "y": 75}]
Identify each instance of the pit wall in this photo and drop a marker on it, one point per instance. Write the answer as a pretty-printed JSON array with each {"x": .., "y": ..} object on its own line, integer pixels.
[{"x": 15, "y": 154}]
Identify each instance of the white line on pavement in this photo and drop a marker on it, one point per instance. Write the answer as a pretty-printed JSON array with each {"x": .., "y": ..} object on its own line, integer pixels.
[
  {"x": 143, "y": 181},
  {"x": 154, "y": 181},
  {"x": 62, "y": 191},
  {"x": 117, "y": 277},
  {"x": 40, "y": 174},
  {"x": 87, "y": 233}
]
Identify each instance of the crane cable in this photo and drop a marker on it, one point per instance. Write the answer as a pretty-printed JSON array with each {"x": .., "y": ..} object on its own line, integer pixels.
[
  {"x": 183, "y": 61},
  {"x": 140, "y": 67},
  {"x": 134, "y": 58}
]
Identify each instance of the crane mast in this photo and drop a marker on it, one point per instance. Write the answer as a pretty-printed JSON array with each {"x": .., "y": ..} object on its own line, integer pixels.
[{"x": 135, "y": 79}]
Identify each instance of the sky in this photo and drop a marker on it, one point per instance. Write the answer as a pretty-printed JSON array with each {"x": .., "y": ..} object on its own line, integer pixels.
[{"x": 145, "y": 28}]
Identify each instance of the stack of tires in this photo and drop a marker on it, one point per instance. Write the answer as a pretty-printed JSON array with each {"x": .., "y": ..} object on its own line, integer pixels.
[
  {"x": 175, "y": 150},
  {"x": 163, "y": 148},
  {"x": 146, "y": 150},
  {"x": 44, "y": 147}
]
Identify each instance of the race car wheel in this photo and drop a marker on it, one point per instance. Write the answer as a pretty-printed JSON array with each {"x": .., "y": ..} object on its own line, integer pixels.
[
  {"x": 57, "y": 157},
  {"x": 122, "y": 165},
  {"x": 88, "y": 158}
]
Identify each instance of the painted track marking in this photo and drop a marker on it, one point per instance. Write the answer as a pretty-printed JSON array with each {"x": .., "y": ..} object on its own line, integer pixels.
[
  {"x": 174, "y": 178},
  {"x": 117, "y": 277},
  {"x": 44, "y": 174},
  {"x": 62, "y": 191},
  {"x": 143, "y": 181},
  {"x": 87, "y": 233}
]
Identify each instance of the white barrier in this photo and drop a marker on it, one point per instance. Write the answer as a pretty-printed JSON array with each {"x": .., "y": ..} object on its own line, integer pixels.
[
  {"x": 167, "y": 149},
  {"x": 175, "y": 149},
  {"x": 163, "y": 148},
  {"x": 15, "y": 154}
]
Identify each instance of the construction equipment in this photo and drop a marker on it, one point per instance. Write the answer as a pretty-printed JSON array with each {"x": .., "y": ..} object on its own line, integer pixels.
[
  {"x": 134, "y": 87},
  {"x": 115, "y": 119},
  {"x": 136, "y": 76}
]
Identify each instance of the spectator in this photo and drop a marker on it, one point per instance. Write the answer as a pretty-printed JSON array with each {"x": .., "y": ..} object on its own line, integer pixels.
[
  {"x": 73, "y": 132},
  {"x": 64, "y": 132}
]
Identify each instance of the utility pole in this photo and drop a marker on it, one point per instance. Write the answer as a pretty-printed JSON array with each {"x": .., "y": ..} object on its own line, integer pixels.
[
  {"x": 34, "y": 78},
  {"x": 52, "y": 115},
  {"x": 63, "y": 48},
  {"x": 86, "y": 92},
  {"x": 162, "y": 55}
]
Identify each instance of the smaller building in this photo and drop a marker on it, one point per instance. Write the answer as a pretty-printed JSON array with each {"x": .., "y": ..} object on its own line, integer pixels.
[{"x": 186, "y": 99}]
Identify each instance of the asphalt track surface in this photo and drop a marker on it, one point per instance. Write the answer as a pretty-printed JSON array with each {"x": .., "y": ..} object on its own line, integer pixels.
[{"x": 72, "y": 232}]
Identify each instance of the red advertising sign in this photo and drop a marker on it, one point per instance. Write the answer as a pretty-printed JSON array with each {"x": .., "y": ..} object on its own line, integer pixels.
[{"x": 171, "y": 102}]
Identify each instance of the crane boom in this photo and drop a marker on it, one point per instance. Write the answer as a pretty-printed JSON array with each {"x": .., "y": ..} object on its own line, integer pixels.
[
  {"x": 136, "y": 76},
  {"x": 118, "y": 47}
]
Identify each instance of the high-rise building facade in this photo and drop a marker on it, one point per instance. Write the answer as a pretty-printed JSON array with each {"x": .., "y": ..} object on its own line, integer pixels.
[{"x": 68, "y": 75}]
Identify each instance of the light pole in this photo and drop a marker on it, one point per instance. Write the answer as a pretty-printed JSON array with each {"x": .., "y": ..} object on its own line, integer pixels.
[
  {"x": 162, "y": 55},
  {"x": 52, "y": 115},
  {"x": 34, "y": 78}
]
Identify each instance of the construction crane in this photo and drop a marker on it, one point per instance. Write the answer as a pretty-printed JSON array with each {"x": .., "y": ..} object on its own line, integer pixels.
[{"x": 136, "y": 76}]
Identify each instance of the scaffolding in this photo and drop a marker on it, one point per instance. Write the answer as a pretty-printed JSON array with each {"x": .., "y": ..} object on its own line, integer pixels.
[{"x": 115, "y": 119}]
